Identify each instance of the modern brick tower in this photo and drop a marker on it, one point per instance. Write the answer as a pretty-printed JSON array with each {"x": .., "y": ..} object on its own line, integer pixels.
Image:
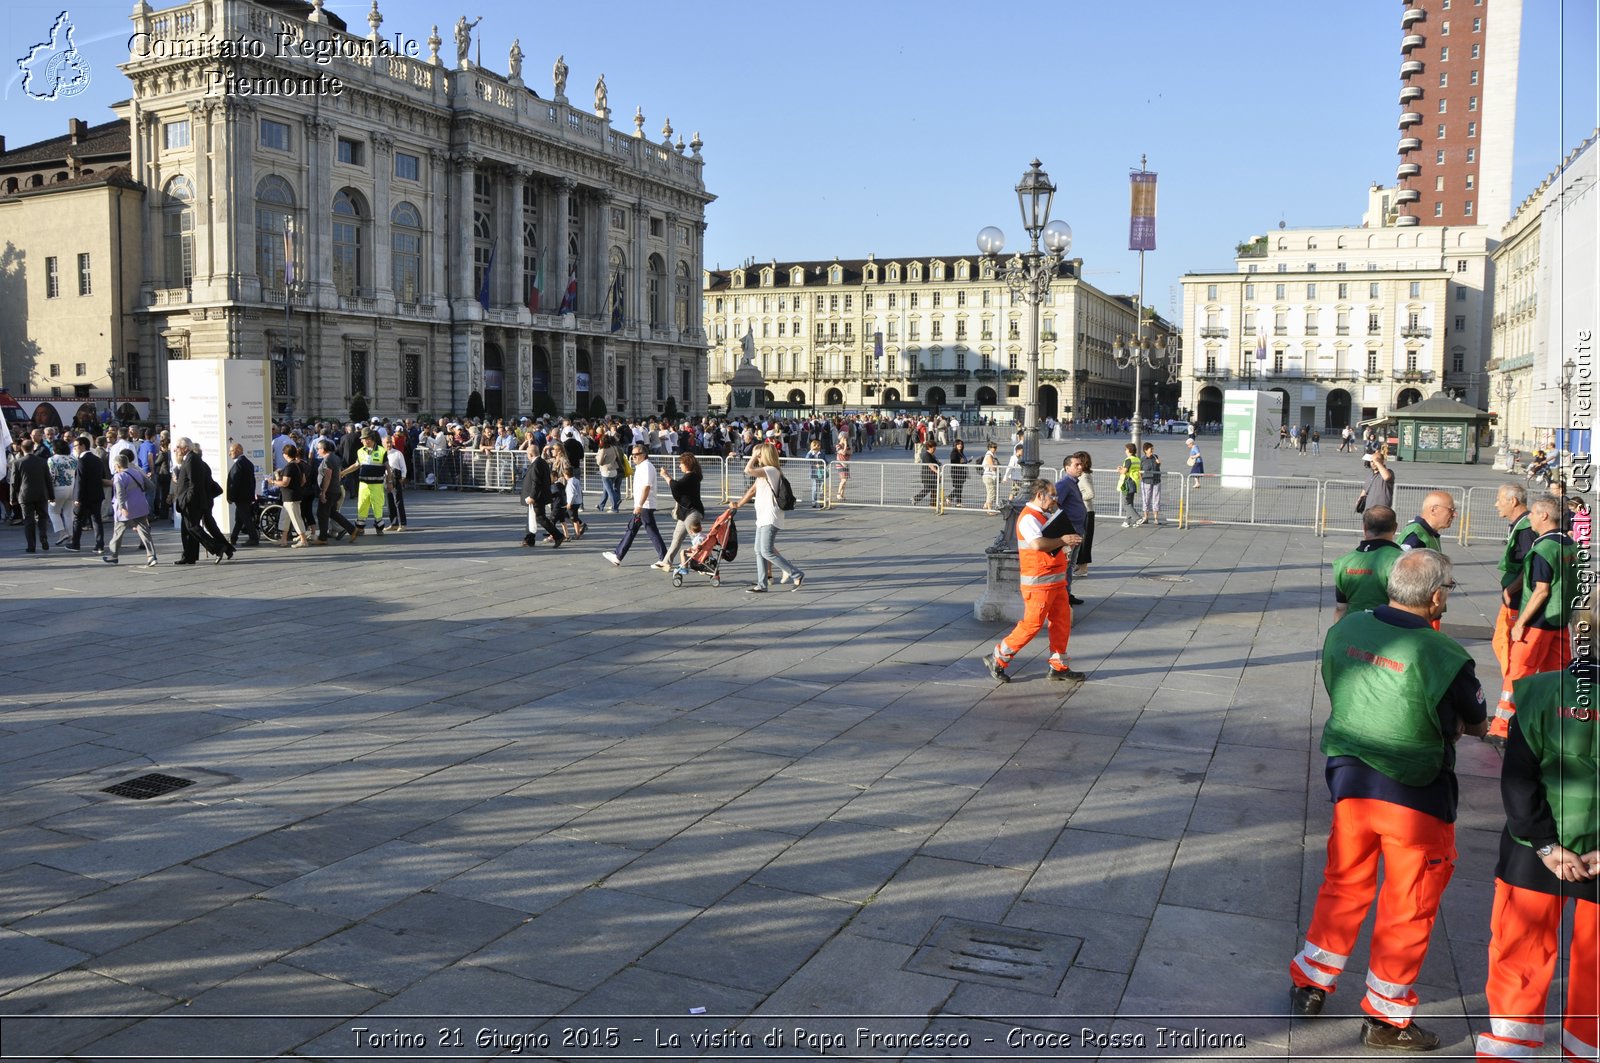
[{"x": 1458, "y": 107}]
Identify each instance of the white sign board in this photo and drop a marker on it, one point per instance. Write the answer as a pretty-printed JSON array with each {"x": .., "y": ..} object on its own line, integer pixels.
[
  {"x": 218, "y": 402},
  {"x": 1250, "y": 421}
]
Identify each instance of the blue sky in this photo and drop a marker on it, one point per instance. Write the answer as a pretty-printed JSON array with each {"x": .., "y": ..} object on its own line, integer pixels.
[{"x": 841, "y": 128}]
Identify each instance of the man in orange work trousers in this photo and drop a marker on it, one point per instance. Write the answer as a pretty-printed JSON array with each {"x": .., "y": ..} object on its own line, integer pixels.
[
  {"x": 1044, "y": 588},
  {"x": 1401, "y": 693},
  {"x": 1537, "y": 639},
  {"x": 1549, "y": 851}
]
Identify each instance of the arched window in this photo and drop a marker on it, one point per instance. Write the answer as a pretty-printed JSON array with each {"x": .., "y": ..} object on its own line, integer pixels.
[
  {"x": 617, "y": 266},
  {"x": 656, "y": 295},
  {"x": 531, "y": 281},
  {"x": 405, "y": 258},
  {"x": 680, "y": 296},
  {"x": 274, "y": 213},
  {"x": 349, "y": 219},
  {"x": 177, "y": 227}
]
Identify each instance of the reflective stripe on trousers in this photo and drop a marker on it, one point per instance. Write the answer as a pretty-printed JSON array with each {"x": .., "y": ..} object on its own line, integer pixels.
[
  {"x": 1317, "y": 966},
  {"x": 1046, "y": 580},
  {"x": 1389, "y": 1000}
]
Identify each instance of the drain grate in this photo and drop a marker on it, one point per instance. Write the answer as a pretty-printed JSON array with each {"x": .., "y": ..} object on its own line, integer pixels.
[
  {"x": 1167, "y": 579},
  {"x": 147, "y": 786},
  {"x": 1029, "y": 960}
]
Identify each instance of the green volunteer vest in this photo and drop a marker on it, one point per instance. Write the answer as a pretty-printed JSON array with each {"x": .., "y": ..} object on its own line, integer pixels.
[
  {"x": 1549, "y": 707},
  {"x": 1363, "y": 576},
  {"x": 1562, "y": 555},
  {"x": 1429, "y": 539},
  {"x": 1385, "y": 684},
  {"x": 1510, "y": 565}
]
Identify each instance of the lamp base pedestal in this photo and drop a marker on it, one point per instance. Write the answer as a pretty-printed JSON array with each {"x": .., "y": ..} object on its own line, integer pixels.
[
  {"x": 1001, "y": 601},
  {"x": 1502, "y": 460}
]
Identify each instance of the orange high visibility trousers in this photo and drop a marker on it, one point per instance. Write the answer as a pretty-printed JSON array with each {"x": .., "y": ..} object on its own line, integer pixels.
[
  {"x": 1541, "y": 650},
  {"x": 1523, "y": 949},
  {"x": 1047, "y": 603},
  {"x": 1419, "y": 856}
]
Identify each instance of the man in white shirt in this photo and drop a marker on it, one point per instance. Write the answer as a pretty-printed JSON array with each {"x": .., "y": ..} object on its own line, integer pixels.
[
  {"x": 644, "y": 511},
  {"x": 279, "y": 441}
]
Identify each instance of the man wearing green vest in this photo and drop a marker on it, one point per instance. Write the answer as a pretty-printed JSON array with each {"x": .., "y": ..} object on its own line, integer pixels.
[
  {"x": 1549, "y": 851},
  {"x": 1511, "y": 502},
  {"x": 1401, "y": 693},
  {"x": 1549, "y": 581},
  {"x": 1438, "y": 513},
  {"x": 1361, "y": 577}
]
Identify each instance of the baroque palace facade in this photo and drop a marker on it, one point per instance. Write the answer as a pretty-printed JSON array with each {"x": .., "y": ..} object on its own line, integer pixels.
[
  {"x": 422, "y": 232},
  {"x": 932, "y": 333}
]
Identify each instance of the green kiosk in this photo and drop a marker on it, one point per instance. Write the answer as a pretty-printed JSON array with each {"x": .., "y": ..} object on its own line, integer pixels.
[{"x": 1440, "y": 429}]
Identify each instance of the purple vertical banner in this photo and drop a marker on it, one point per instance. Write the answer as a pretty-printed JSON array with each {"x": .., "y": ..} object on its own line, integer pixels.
[{"x": 1142, "y": 212}]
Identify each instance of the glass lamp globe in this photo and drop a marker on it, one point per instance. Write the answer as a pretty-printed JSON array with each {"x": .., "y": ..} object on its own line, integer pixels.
[
  {"x": 1058, "y": 237},
  {"x": 991, "y": 240}
]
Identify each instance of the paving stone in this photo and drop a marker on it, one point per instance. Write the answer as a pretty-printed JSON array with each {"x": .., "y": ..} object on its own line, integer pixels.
[
  {"x": 1095, "y": 870},
  {"x": 854, "y": 975},
  {"x": 562, "y": 947},
  {"x": 787, "y": 805},
  {"x": 1238, "y": 872},
  {"x": 64, "y": 1012},
  {"x": 1245, "y": 958},
  {"x": 101, "y": 921},
  {"x": 30, "y": 889},
  {"x": 492, "y": 827},
  {"x": 701, "y": 864},
  {"x": 303, "y": 847},
  {"x": 916, "y": 806},
  {"x": 753, "y": 939},
  {"x": 927, "y": 889},
  {"x": 842, "y": 861},
  {"x": 538, "y": 875},
  {"x": 25, "y": 959},
  {"x": 362, "y": 884}
]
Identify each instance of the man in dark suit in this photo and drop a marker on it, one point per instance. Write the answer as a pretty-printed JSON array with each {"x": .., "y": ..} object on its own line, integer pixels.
[
  {"x": 35, "y": 491},
  {"x": 192, "y": 493},
  {"x": 536, "y": 493},
  {"x": 349, "y": 444},
  {"x": 241, "y": 481},
  {"x": 93, "y": 479}
]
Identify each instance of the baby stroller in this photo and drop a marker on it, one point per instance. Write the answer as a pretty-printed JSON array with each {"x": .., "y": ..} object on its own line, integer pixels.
[{"x": 720, "y": 544}]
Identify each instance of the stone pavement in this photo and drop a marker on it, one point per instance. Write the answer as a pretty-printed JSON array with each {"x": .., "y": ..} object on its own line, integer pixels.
[{"x": 518, "y": 801}]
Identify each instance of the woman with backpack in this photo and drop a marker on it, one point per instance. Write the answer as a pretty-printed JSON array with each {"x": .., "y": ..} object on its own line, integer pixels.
[{"x": 767, "y": 488}]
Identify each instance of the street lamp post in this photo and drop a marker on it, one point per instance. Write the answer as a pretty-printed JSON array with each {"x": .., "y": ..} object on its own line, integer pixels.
[
  {"x": 1504, "y": 389},
  {"x": 1139, "y": 351},
  {"x": 1028, "y": 275}
]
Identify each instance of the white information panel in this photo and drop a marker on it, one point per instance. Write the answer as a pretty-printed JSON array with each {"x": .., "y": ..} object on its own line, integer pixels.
[
  {"x": 216, "y": 403},
  {"x": 1250, "y": 421}
]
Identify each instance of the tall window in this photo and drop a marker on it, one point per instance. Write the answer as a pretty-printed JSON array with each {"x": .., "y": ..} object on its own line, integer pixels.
[
  {"x": 274, "y": 209},
  {"x": 657, "y": 293},
  {"x": 84, "y": 287},
  {"x": 348, "y": 221},
  {"x": 681, "y": 289},
  {"x": 482, "y": 230},
  {"x": 52, "y": 279},
  {"x": 274, "y": 135},
  {"x": 177, "y": 224},
  {"x": 530, "y": 249},
  {"x": 175, "y": 134},
  {"x": 358, "y": 372},
  {"x": 405, "y": 252}
]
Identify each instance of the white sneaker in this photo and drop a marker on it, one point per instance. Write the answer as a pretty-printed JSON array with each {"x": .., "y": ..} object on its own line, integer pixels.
[
  {"x": 784, "y": 578},
  {"x": 613, "y": 558},
  {"x": 662, "y": 565}
]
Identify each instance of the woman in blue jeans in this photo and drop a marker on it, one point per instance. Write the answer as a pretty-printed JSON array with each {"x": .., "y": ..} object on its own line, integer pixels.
[
  {"x": 765, "y": 471},
  {"x": 609, "y": 461}
]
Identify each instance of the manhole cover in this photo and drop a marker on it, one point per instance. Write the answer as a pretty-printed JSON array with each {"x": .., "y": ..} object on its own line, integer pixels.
[
  {"x": 1028, "y": 960},
  {"x": 1166, "y": 579},
  {"x": 147, "y": 786}
]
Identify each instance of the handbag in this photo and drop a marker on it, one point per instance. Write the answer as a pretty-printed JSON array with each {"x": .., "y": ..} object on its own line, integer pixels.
[{"x": 1361, "y": 503}]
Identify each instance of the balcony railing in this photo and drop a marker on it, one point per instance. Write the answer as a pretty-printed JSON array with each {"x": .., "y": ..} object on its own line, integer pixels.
[
  {"x": 1413, "y": 376},
  {"x": 1416, "y": 332},
  {"x": 1211, "y": 372},
  {"x": 1214, "y": 332},
  {"x": 1341, "y": 330},
  {"x": 1311, "y": 330},
  {"x": 1048, "y": 335},
  {"x": 1280, "y": 330}
]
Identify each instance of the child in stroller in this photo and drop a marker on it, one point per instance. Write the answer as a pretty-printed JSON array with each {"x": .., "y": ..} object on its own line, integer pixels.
[{"x": 706, "y": 550}]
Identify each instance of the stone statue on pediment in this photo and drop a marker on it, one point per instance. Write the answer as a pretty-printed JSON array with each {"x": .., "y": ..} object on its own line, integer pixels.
[
  {"x": 559, "y": 75},
  {"x": 464, "y": 40}
]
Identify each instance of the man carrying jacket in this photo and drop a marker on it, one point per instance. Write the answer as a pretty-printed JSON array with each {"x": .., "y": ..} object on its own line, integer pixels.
[
  {"x": 1043, "y": 560},
  {"x": 1401, "y": 693},
  {"x": 1361, "y": 577},
  {"x": 537, "y": 496}
]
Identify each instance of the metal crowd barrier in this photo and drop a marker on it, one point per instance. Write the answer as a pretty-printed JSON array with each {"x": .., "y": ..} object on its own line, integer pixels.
[
  {"x": 1268, "y": 501},
  {"x": 1478, "y": 519}
]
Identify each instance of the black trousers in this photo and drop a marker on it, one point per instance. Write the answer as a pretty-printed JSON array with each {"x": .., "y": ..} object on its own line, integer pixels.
[
  {"x": 36, "y": 522},
  {"x": 85, "y": 512},
  {"x": 395, "y": 499},
  {"x": 245, "y": 517},
  {"x": 202, "y": 531},
  {"x": 541, "y": 516},
  {"x": 329, "y": 512}
]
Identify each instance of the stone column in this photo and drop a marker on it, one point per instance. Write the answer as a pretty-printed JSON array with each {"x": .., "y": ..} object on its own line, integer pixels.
[
  {"x": 382, "y": 172},
  {"x": 671, "y": 281},
  {"x": 317, "y": 253},
  {"x": 639, "y": 253},
  {"x": 145, "y": 130},
  {"x": 463, "y": 293},
  {"x": 558, "y": 241},
  {"x": 435, "y": 279},
  {"x": 518, "y": 183},
  {"x": 237, "y": 175}
]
